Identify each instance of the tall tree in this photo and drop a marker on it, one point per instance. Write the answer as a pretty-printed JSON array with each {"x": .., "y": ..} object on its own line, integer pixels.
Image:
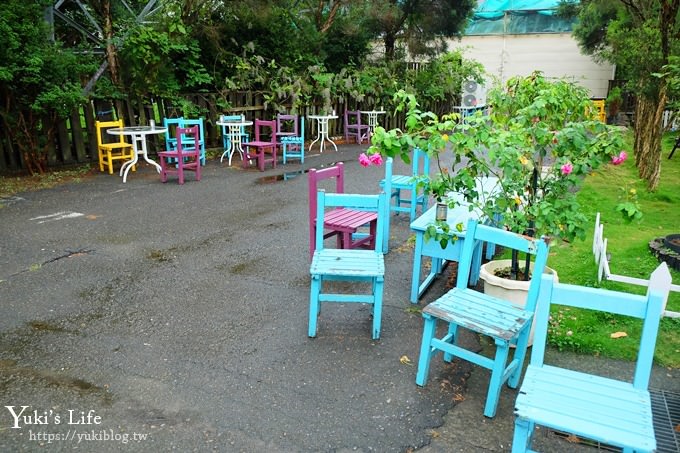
[
  {"x": 638, "y": 36},
  {"x": 39, "y": 80},
  {"x": 422, "y": 25}
]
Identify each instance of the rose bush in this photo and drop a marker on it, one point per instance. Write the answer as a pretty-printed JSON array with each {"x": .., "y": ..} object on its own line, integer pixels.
[{"x": 538, "y": 139}]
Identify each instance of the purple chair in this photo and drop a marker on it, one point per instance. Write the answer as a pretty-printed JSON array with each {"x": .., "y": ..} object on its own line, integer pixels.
[{"x": 354, "y": 128}]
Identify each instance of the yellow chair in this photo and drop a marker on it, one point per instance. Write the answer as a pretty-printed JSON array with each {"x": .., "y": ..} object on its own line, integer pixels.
[{"x": 111, "y": 148}]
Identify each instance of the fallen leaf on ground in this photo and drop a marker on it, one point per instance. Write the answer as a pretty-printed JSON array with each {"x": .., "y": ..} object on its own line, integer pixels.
[
  {"x": 618, "y": 335},
  {"x": 405, "y": 360},
  {"x": 573, "y": 439}
]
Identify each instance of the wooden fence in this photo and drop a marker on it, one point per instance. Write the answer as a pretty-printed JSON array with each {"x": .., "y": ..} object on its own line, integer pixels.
[{"x": 76, "y": 142}]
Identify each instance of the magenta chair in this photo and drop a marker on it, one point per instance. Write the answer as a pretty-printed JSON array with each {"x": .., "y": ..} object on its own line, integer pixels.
[
  {"x": 340, "y": 222},
  {"x": 187, "y": 156},
  {"x": 264, "y": 143}
]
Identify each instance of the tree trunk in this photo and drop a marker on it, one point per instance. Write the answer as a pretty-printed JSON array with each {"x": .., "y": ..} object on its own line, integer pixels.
[
  {"x": 111, "y": 51},
  {"x": 389, "y": 40},
  {"x": 648, "y": 130}
]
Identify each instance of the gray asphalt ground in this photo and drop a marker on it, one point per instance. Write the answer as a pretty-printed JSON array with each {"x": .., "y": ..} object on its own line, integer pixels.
[{"x": 157, "y": 317}]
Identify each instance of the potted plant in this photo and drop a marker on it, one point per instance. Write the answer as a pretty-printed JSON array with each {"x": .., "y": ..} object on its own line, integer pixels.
[{"x": 537, "y": 140}]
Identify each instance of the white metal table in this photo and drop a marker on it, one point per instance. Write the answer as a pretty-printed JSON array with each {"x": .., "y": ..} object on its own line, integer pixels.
[
  {"x": 234, "y": 137},
  {"x": 138, "y": 135},
  {"x": 322, "y": 121}
]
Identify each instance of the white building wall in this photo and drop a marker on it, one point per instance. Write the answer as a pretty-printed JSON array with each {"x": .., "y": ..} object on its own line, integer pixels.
[{"x": 556, "y": 55}]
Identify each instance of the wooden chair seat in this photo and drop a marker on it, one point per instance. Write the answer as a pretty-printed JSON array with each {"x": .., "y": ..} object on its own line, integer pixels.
[
  {"x": 568, "y": 399},
  {"x": 484, "y": 314},
  {"x": 357, "y": 263}
]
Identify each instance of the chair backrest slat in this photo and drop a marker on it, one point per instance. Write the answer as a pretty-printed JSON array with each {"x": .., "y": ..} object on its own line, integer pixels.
[
  {"x": 358, "y": 202},
  {"x": 261, "y": 132},
  {"x": 287, "y": 123},
  {"x": 646, "y": 307},
  {"x": 188, "y": 137}
]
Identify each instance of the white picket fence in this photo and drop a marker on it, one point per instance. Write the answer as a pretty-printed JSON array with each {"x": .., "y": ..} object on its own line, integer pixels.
[{"x": 600, "y": 252}]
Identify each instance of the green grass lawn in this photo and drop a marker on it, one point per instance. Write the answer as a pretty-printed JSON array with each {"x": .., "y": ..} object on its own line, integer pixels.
[{"x": 587, "y": 332}]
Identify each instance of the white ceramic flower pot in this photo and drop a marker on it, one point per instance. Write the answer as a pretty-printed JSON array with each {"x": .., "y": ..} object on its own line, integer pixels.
[{"x": 514, "y": 291}]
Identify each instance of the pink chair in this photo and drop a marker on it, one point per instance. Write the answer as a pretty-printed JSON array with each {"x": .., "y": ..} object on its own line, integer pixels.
[
  {"x": 264, "y": 143},
  {"x": 354, "y": 128},
  {"x": 341, "y": 222},
  {"x": 187, "y": 156}
]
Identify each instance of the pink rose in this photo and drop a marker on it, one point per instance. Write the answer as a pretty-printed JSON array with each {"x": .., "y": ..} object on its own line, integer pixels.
[
  {"x": 618, "y": 160},
  {"x": 364, "y": 160},
  {"x": 376, "y": 159},
  {"x": 567, "y": 168}
]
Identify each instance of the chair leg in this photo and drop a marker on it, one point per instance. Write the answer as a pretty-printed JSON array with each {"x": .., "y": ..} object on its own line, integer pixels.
[
  {"x": 180, "y": 170},
  {"x": 414, "y": 203},
  {"x": 164, "y": 173},
  {"x": 520, "y": 355},
  {"x": 377, "y": 306},
  {"x": 314, "y": 305},
  {"x": 496, "y": 380},
  {"x": 426, "y": 352},
  {"x": 524, "y": 431}
]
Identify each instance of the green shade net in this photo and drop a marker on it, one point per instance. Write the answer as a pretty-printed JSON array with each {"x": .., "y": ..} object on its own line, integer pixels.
[{"x": 495, "y": 17}]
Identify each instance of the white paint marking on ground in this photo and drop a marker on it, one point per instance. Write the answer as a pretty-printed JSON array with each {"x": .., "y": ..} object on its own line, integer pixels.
[{"x": 57, "y": 216}]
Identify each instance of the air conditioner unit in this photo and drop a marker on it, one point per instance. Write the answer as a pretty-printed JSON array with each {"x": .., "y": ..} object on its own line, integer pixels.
[{"x": 474, "y": 94}]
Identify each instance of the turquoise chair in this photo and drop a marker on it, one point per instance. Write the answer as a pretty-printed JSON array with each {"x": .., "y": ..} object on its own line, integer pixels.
[
  {"x": 503, "y": 322},
  {"x": 294, "y": 145},
  {"x": 420, "y": 166},
  {"x": 171, "y": 125},
  {"x": 353, "y": 265},
  {"x": 609, "y": 411}
]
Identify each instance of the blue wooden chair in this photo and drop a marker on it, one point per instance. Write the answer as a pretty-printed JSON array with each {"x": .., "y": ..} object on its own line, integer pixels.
[
  {"x": 171, "y": 124},
  {"x": 226, "y": 138},
  {"x": 420, "y": 166},
  {"x": 610, "y": 411},
  {"x": 352, "y": 265},
  {"x": 294, "y": 145},
  {"x": 188, "y": 123},
  {"x": 506, "y": 324}
]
